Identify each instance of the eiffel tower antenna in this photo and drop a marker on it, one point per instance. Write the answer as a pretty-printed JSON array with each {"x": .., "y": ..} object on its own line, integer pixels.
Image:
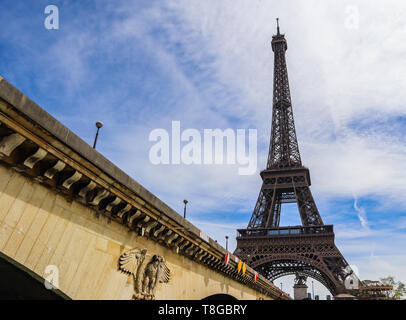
[
  {"x": 307, "y": 249},
  {"x": 277, "y": 23}
]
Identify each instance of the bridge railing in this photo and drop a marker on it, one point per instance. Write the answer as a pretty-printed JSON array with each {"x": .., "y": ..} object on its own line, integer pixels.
[{"x": 284, "y": 231}]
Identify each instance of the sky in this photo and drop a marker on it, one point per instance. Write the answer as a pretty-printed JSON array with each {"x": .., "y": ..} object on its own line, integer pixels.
[{"x": 139, "y": 65}]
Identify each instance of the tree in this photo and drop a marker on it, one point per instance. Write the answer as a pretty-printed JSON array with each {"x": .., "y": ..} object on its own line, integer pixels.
[{"x": 399, "y": 288}]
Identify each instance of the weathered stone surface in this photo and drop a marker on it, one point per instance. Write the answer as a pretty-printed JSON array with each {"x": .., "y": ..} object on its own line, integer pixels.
[{"x": 86, "y": 249}]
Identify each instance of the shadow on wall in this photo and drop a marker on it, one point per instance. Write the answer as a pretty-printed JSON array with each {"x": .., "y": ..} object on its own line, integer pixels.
[{"x": 18, "y": 283}]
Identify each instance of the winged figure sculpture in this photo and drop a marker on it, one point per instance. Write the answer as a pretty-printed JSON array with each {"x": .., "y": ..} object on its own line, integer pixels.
[{"x": 146, "y": 276}]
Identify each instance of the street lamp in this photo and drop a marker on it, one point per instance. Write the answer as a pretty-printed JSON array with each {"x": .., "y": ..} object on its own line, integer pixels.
[
  {"x": 227, "y": 243},
  {"x": 313, "y": 289},
  {"x": 281, "y": 286},
  {"x": 99, "y": 125},
  {"x": 184, "y": 211}
]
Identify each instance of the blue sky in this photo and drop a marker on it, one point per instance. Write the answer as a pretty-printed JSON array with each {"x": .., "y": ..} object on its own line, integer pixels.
[{"x": 138, "y": 65}]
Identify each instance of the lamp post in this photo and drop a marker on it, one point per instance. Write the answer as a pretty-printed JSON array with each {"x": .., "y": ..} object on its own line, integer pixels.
[
  {"x": 312, "y": 290},
  {"x": 99, "y": 125},
  {"x": 184, "y": 211},
  {"x": 227, "y": 243}
]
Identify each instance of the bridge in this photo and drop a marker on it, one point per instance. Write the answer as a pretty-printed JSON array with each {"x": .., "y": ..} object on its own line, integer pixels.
[{"x": 74, "y": 226}]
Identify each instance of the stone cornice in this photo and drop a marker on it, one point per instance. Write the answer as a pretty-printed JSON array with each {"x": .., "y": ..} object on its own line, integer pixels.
[{"x": 37, "y": 145}]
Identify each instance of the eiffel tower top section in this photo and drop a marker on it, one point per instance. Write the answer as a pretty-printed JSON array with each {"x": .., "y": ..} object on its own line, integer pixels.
[
  {"x": 279, "y": 38},
  {"x": 284, "y": 149}
]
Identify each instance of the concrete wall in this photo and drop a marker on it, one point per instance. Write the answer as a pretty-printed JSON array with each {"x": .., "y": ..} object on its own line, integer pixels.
[{"x": 39, "y": 228}]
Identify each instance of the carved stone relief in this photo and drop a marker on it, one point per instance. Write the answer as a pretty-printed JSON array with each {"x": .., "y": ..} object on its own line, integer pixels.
[{"x": 146, "y": 276}]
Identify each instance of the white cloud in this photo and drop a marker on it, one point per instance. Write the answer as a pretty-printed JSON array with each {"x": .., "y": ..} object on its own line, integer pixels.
[
  {"x": 337, "y": 75},
  {"x": 362, "y": 215}
]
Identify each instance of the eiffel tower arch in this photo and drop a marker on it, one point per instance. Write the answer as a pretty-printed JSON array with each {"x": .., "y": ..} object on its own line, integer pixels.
[{"x": 308, "y": 249}]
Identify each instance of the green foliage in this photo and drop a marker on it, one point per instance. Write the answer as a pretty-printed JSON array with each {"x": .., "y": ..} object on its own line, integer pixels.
[{"x": 399, "y": 288}]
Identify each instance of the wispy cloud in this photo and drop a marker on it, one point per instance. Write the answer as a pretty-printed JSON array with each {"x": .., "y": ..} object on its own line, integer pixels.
[{"x": 362, "y": 215}]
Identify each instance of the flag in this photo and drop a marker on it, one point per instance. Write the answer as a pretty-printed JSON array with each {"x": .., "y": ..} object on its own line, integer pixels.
[
  {"x": 227, "y": 258},
  {"x": 204, "y": 236},
  {"x": 256, "y": 276},
  {"x": 239, "y": 266},
  {"x": 244, "y": 268}
]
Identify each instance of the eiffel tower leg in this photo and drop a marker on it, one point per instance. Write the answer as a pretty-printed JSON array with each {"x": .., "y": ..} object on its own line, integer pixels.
[
  {"x": 274, "y": 210},
  {"x": 309, "y": 214},
  {"x": 267, "y": 210},
  {"x": 260, "y": 212},
  {"x": 277, "y": 214}
]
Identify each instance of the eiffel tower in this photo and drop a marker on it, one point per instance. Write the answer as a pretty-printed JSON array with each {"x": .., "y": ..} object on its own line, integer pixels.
[{"x": 308, "y": 249}]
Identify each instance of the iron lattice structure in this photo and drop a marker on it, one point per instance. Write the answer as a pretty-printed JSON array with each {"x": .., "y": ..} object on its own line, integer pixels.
[{"x": 308, "y": 249}]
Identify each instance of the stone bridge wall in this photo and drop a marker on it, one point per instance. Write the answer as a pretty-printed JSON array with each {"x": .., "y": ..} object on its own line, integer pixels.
[
  {"x": 41, "y": 228},
  {"x": 62, "y": 203}
]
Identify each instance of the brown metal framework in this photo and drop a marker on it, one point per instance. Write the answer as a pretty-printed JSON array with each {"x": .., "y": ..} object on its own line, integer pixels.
[{"x": 272, "y": 250}]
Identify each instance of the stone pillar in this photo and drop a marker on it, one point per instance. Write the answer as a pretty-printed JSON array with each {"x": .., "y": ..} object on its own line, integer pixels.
[{"x": 300, "y": 291}]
